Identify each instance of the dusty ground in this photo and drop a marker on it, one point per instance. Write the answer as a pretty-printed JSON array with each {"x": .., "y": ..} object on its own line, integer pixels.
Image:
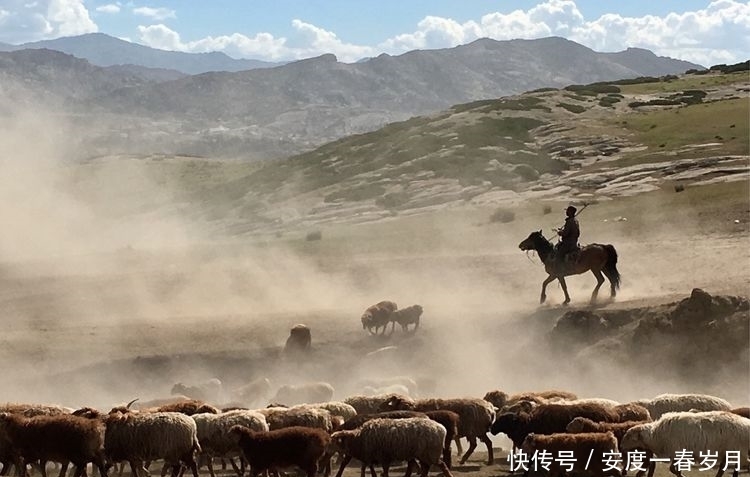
[{"x": 103, "y": 327}]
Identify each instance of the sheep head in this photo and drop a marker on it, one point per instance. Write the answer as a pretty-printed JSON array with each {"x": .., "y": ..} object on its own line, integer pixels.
[
  {"x": 341, "y": 440},
  {"x": 497, "y": 398},
  {"x": 635, "y": 438}
]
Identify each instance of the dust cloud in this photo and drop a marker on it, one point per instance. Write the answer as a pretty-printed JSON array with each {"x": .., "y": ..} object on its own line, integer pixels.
[{"x": 112, "y": 289}]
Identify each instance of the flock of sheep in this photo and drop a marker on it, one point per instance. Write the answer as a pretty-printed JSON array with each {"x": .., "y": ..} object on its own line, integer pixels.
[{"x": 304, "y": 428}]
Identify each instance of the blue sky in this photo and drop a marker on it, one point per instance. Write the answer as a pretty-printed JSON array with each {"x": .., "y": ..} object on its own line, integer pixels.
[{"x": 700, "y": 31}]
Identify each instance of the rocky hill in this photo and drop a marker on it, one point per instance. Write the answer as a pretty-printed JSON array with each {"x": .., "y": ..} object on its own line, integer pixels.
[{"x": 277, "y": 112}]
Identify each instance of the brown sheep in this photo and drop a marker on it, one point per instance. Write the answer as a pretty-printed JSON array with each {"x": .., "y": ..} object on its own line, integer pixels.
[
  {"x": 475, "y": 418},
  {"x": 61, "y": 438},
  {"x": 502, "y": 401},
  {"x": 588, "y": 450},
  {"x": 405, "y": 317},
  {"x": 741, "y": 411},
  {"x": 451, "y": 422},
  {"x": 187, "y": 407},
  {"x": 582, "y": 425},
  {"x": 549, "y": 419},
  {"x": 300, "y": 340},
  {"x": 632, "y": 412},
  {"x": 377, "y": 316},
  {"x": 292, "y": 446}
]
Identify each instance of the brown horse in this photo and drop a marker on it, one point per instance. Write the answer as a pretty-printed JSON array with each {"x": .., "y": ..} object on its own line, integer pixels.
[{"x": 600, "y": 259}]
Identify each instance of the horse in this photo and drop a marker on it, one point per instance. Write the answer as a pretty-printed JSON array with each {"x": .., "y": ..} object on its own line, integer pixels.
[{"x": 599, "y": 258}]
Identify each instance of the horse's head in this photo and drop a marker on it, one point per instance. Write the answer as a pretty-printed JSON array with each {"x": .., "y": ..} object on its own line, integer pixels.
[{"x": 533, "y": 241}]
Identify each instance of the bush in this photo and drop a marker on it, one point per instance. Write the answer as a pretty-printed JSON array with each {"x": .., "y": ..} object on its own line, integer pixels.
[
  {"x": 503, "y": 216},
  {"x": 314, "y": 235},
  {"x": 573, "y": 108}
]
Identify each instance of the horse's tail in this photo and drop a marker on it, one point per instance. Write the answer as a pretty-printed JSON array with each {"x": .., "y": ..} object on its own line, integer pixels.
[{"x": 610, "y": 268}]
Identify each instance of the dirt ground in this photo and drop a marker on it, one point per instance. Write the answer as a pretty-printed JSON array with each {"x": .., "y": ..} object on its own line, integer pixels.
[{"x": 103, "y": 327}]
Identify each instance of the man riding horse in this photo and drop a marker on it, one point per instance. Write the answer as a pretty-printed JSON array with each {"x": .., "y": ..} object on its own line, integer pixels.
[{"x": 569, "y": 234}]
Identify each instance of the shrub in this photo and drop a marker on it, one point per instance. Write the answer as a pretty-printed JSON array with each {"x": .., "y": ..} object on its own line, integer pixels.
[
  {"x": 314, "y": 235},
  {"x": 503, "y": 216},
  {"x": 573, "y": 108}
]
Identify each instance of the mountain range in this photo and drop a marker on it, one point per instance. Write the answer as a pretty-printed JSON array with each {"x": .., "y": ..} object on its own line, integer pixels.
[{"x": 272, "y": 112}]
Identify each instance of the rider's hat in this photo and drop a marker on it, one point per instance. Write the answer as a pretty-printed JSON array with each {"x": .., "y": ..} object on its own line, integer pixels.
[{"x": 571, "y": 209}]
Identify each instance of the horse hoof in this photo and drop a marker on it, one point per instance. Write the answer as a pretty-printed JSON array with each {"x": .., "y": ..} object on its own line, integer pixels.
[{"x": 565, "y": 303}]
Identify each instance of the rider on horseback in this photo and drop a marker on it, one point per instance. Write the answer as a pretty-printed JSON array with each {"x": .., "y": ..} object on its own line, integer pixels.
[{"x": 569, "y": 234}]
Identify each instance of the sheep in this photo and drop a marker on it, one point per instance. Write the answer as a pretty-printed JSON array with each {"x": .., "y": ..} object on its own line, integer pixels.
[
  {"x": 336, "y": 408},
  {"x": 187, "y": 407},
  {"x": 214, "y": 436},
  {"x": 385, "y": 441},
  {"x": 741, "y": 411},
  {"x": 62, "y": 438},
  {"x": 292, "y": 446},
  {"x": 581, "y": 424},
  {"x": 31, "y": 410},
  {"x": 303, "y": 393},
  {"x": 405, "y": 317},
  {"x": 370, "y": 404},
  {"x": 604, "y": 402},
  {"x": 139, "y": 437},
  {"x": 715, "y": 431},
  {"x": 526, "y": 401},
  {"x": 358, "y": 420},
  {"x": 682, "y": 402},
  {"x": 252, "y": 393},
  {"x": 158, "y": 402},
  {"x": 450, "y": 421},
  {"x": 588, "y": 451},
  {"x": 377, "y": 316},
  {"x": 475, "y": 418},
  {"x": 210, "y": 390},
  {"x": 548, "y": 419},
  {"x": 391, "y": 389},
  {"x": 406, "y": 381},
  {"x": 300, "y": 339},
  {"x": 632, "y": 412},
  {"x": 302, "y": 416}
]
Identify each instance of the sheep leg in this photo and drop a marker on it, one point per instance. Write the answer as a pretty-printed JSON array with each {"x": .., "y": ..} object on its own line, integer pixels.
[
  {"x": 372, "y": 471},
  {"x": 546, "y": 282},
  {"x": 673, "y": 469},
  {"x": 344, "y": 462},
  {"x": 190, "y": 461},
  {"x": 490, "y": 453},
  {"x": 409, "y": 466},
  {"x": 445, "y": 469},
  {"x": 237, "y": 469},
  {"x": 63, "y": 469},
  {"x": 210, "y": 465},
  {"x": 599, "y": 282},
  {"x": 424, "y": 469},
  {"x": 386, "y": 466},
  {"x": 472, "y": 445},
  {"x": 447, "y": 455},
  {"x": 459, "y": 449},
  {"x": 565, "y": 289}
]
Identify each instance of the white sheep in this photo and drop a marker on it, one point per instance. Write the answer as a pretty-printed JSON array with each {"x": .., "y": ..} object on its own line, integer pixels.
[
  {"x": 390, "y": 389},
  {"x": 369, "y": 404},
  {"x": 290, "y": 395},
  {"x": 682, "y": 402},
  {"x": 714, "y": 431},
  {"x": 303, "y": 416},
  {"x": 214, "y": 436},
  {"x": 210, "y": 390},
  {"x": 385, "y": 441},
  {"x": 136, "y": 437},
  {"x": 410, "y": 383},
  {"x": 336, "y": 408},
  {"x": 254, "y": 393}
]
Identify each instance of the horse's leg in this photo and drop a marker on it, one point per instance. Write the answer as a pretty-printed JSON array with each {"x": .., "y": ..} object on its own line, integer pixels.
[
  {"x": 546, "y": 282},
  {"x": 599, "y": 282},
  {"x": 565, "y": 290}
]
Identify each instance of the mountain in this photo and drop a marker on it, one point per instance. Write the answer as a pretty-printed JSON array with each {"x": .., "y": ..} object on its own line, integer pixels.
[
  {"x": 277, "y": 112},
  {"x": 104, "y": 50},
  {"x": 647, "y": 63}
]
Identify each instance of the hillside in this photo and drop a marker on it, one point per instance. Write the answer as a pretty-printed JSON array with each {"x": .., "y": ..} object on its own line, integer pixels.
[
  {"x": 278, "y": 112},
  {"x": 572, "y": 144}
]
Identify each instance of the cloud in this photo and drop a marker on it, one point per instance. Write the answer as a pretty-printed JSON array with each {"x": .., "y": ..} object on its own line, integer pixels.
[
  {"x": 155, "y": 13},
  {"x": 22, "y": 21},
  {"x": 109, "y": 8}
]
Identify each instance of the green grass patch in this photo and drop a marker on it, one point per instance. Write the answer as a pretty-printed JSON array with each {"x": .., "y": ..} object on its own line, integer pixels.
[
  {"x": 573, "y": 108},
  {"x": 522, "y": 103},
  {"x": 687, "y": 82},
  {"x": 696, "y": 124}
]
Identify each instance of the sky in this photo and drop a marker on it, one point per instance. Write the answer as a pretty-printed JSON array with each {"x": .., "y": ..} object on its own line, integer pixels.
[{"x": 703, "y": 32}]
